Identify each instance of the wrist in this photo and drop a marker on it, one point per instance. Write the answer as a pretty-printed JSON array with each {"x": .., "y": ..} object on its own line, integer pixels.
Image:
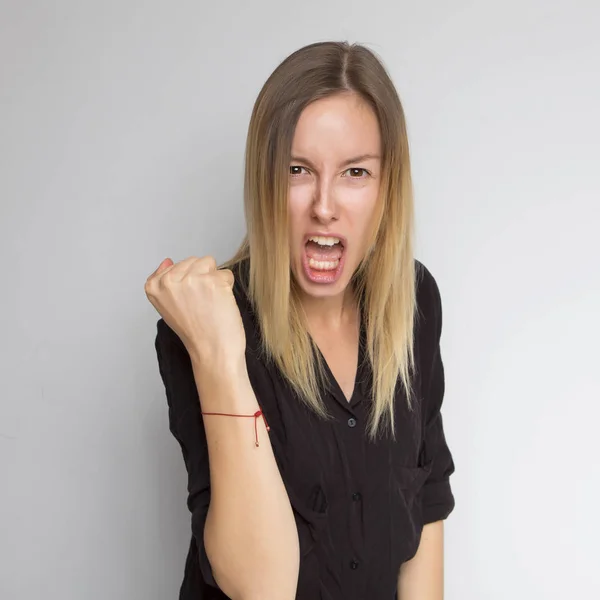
[
  {"x": 211, "y": 362},
  {"x": 220, "y": 374}
]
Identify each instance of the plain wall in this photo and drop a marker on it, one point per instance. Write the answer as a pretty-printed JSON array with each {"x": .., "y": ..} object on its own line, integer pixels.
[{"x": 122, "y": 131}]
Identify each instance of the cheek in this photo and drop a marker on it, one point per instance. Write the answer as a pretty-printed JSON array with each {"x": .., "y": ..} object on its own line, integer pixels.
[
  {"x": 369, "y": 201},
  {"x": 362, "y": 209}
]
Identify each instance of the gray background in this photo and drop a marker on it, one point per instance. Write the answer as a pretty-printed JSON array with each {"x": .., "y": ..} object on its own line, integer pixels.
[{"x": 122, "y": 129}]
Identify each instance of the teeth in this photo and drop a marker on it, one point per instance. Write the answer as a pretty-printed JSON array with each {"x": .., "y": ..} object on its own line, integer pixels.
[
  {"x": 323, "y": 265},
  {"x": 324, "y": 241}
]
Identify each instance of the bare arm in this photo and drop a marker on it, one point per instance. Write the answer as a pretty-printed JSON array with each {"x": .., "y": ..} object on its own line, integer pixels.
[
  {"x": 422, "y": 577},
  {"x": 249, "y": 530},
  {"x": 250, "y": 533}
]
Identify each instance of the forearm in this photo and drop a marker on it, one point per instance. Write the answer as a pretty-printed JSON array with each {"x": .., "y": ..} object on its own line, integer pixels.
[
  {"x": 422, "y": 577},
  {"x": 250, "y": 534}
]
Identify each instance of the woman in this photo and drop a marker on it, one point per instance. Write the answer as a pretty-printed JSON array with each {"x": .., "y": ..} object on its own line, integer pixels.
[{"x": 303, "y": 377}]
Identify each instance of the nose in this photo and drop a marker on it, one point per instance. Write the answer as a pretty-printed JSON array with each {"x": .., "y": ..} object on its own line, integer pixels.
[{"x": 324, "y": 206}]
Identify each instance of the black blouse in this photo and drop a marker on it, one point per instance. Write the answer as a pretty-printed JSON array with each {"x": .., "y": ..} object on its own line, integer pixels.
[{"x": 359, "y": 506}]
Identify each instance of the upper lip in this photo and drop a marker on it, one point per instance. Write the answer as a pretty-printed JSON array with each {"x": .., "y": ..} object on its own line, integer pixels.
[{"x": 325, "y": 234}]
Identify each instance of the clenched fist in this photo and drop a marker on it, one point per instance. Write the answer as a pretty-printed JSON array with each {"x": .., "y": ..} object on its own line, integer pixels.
[{"x": 196, "y": 300}]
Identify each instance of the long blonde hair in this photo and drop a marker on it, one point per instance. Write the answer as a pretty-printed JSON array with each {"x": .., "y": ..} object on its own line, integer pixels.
[{"x": 384, "y": 283}]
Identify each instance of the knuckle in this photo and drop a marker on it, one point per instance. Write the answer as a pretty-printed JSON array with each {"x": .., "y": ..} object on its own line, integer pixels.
[
  {"x": 192, "y": 279},
  {"x": 150, "y": 286},
  {"x": 167, "y": 279},
  {"x": 209, "y": 262},
  {"x": 227, "y": 276}
]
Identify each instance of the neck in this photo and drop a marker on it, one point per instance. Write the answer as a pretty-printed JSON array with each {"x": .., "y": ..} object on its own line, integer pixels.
[{"x": 330, "y": 313}]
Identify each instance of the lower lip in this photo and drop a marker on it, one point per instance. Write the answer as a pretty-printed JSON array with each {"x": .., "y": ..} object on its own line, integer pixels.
[{"x": 317, "y": 276}]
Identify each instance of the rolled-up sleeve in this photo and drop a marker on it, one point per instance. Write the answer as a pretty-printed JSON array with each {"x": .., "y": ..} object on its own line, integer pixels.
[
  {"x": 185, "y": 423},
  {"x": 437, "y": 499}
]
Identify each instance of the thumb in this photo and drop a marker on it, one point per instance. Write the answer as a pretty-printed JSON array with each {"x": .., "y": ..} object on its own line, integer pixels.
[{"x": 164, "y": 265}]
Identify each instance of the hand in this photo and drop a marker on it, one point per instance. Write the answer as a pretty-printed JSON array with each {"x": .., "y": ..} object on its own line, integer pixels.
[{"x": 196, "y": 300}]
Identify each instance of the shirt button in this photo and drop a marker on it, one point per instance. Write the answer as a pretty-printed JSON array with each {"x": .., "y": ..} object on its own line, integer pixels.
[
  {"x": 356, "y": 496},
  {"x": 354, "y": 565},
  {"x": 351, "y": 422}
]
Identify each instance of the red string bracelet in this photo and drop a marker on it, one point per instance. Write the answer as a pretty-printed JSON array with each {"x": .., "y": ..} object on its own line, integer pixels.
[{"x": 257, "y": 414}]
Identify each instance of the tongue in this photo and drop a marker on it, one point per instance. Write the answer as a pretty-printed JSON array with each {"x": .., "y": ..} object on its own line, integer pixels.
[{"x": 318, "y": 252}]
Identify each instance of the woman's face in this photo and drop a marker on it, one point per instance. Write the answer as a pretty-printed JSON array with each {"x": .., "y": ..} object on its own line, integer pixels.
[{"x": 333, "y": 188}]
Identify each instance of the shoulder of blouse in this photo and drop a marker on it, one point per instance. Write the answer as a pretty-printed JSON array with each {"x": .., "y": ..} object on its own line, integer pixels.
[{"x": 429, "y": 304}]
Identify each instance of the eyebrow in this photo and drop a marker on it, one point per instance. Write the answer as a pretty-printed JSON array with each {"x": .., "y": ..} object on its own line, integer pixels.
[{"x": 350, "y": 161}]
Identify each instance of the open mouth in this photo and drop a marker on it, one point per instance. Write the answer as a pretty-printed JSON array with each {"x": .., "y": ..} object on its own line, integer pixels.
[{"x": 323, "y": 257}]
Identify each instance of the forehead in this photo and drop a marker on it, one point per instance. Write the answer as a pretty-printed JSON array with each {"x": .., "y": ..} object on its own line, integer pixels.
[{"x": 335, "y": 127}]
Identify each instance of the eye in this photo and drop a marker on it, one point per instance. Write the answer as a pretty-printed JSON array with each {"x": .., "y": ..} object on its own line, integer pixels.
[
  {"x": 296, "y": 170},
  {"x": 357, "y": 173}
]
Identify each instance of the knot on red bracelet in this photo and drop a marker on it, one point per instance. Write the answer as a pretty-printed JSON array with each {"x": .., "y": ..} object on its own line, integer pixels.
[{"x": 257, "y": 414}]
